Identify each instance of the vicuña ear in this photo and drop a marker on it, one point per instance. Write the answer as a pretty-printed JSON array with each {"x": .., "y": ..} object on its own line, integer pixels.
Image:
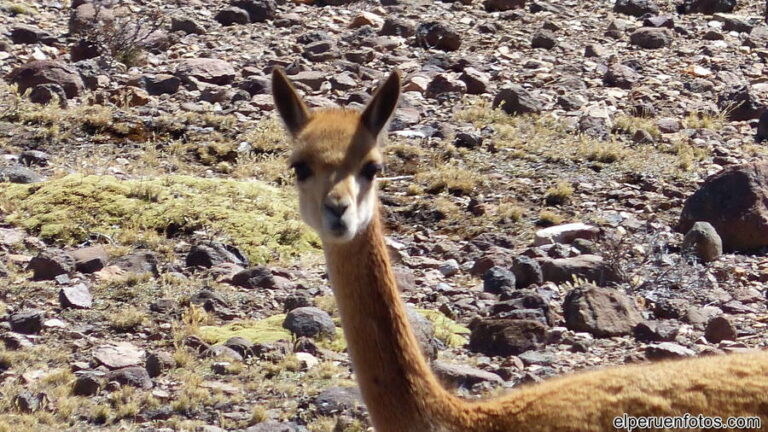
[
  {"x": 288, "y": 103},
  {"x": 381, "y": 107}
]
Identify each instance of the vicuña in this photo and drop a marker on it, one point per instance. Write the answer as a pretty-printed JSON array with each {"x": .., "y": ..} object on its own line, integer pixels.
[{"x": 336, "y": 159}]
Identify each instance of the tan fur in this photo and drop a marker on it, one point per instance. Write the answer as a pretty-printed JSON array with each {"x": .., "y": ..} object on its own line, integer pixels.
[{"x": 400, "y": 390}]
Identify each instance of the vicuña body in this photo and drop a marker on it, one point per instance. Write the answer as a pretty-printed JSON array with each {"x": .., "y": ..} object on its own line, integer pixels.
[{"x": 336, "y": 159}]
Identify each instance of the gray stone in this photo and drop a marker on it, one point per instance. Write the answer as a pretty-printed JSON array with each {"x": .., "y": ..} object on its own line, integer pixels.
[
  {"x": 514, "y": 99},
  {"x": 437, "y": 35},
  {"x": 28, "y": 321},
  {"x": 51, "y": 263},
  {"x": 503, "y": 5},
  {"x": 462, "y": 376},
  {"x": 335, "y": 400},
  {"x": 76, "y": 297},
  {"x": 231, "y": 16},
  {"x": 497, "y": 280},
  {"x": 703, "y": 242},
  {"x": 590, "y": 267},
  {"x": 207, "y": 70},
  {"x": 666, "y": 351},
  {"x": 132, "y": 376},
  {"x": 621, "y": 76},
  {"x": 38, "y": 72},
  {"x": 20, "y": 175},
  {"x": 636, "y": 8},
  {"x": 310, "y": 322},
  {"x": 159, "y": 362}
]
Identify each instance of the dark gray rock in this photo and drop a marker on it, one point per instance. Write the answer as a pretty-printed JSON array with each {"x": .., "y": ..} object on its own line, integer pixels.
[
  {"x": 310, "y": 322},
  {"x": 656, "y": 331},
  {"x": 720, "y": 328},
  {"x": 28, "y": 321},
  {"x": 462, "y": 376},
  {"x": 740, "y": 103},
  {"x": 134, "y": 376},
  {"x": 437, "y": 35},
  {"x": 514, "y": 99},
  {"x": 636, "y": 8},
  {"x": 186, "y": 25},
  {"x": 44, "y": 94},
  {"x": 735, "y": 202},
  {"x": 503, "y": 5},
  {"x": 590, "y": 267},
  {"x": 651, "y": 37},
  {"x": 254, "y": 278},
  {"x": 231, "y": 16},
  {"x": 38, "y": 72},
  {"x": 708, "y": 7},
  {"x": 87, "y": 383},
  {"x": 214, "y": 253},
  {"x": 544, "y": 38},
  {"x": 20, "y": 175},
  {"x": 336, "y": 400},
  {"x": 498, "y": 280},
  {"x": 505, "y": 337},
  {"x": 159, "y": 362},
  {"x": 258, "y": 10},
  {"x": 51, "y": 263}
]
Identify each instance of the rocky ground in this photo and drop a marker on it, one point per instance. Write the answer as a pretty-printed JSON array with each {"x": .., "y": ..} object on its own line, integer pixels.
[{"x": 545, "y": 170}]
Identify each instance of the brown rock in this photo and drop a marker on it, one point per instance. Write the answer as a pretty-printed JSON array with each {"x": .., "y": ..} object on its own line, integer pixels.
[
  {"x": 603, "y": 312},
  {"x": 208, "y": 70},
  {"x": 47, "y": 72},
  {"x": 719, "y": 329},
  {"x": 90, "y": 259}
]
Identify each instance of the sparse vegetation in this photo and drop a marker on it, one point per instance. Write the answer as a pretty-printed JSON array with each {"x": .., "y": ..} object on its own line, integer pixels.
[{"x": 558, "y": 194}]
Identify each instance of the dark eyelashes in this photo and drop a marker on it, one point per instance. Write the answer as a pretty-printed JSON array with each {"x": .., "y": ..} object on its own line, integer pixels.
[
  {"x": 302, "y": 170},
  {"x": 371, "y": 170}
]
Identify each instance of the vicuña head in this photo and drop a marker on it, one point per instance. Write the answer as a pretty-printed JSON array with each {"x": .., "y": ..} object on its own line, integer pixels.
[{"x": 336, "y": 160}]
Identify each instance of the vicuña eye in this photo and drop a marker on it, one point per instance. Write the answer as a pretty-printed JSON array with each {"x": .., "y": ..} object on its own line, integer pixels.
[
  {"x": 371, "y": 169},
  {"x": 302, "y": 170}
]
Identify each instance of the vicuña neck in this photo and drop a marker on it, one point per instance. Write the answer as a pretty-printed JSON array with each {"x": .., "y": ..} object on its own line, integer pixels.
[{"x": 398, "y": 387}]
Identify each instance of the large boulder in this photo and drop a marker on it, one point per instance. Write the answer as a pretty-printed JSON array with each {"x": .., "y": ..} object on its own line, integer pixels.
[
  {"x": 735, "y": 202},
  {"x": 38, "y": 72}
]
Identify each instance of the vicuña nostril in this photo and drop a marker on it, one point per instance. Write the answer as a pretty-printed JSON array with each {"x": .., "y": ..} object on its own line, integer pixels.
[{"x": 337, "y": 209}]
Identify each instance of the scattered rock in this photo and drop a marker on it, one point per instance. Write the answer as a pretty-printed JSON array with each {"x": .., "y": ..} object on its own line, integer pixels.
[
  {"x": 213, "y": 254},
  {"x": 437, "y": 35},
  {"x": 703, "y": 242},
  {"x": 90, "y": 259},
  {"x": 656, "y": 331},
  {"x": 544, "y": 38},
  {"x": 514, "y": 99},
  {"x": 310, "y": 322},
  {"x": 651, "y": 37},
  {"x": 51, "y": 263},
  {"x": 76, "y": 297},
  {"x": 134, "y": 376},
  {"x": 604, "y": 312},
  {"x": 231, "y": 16},
  {"x": 636, "y": 8},
  {"x": 740, "y": 103},
  {"x": 505, "y": 337},
  {"x": 720, "y": 328},
  {"x": 159, "y": 362},
  {"x": 207, "y": 70},
  {"x": 527, "y": 272},
  {"x": 335, "y": 400},
  {"x": 258, "y": 10},
  {"x": 118, "y": 355},
  {"x": 503, "y": 5},
  {"x": 27, "y": 321},
  {"x": 621, "y": 76},
  {"x": 461, "y": 376},
  {"x": 39, "y": 72},
  {"x": 666, "y": 351},
  {"x": 498, "y": 280},
  {"x": 254, "y": 278},
  {"x": 590, "y": 267},
  {"x": 707, "y": 7},
  {"x": 20, "y": 175}
]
